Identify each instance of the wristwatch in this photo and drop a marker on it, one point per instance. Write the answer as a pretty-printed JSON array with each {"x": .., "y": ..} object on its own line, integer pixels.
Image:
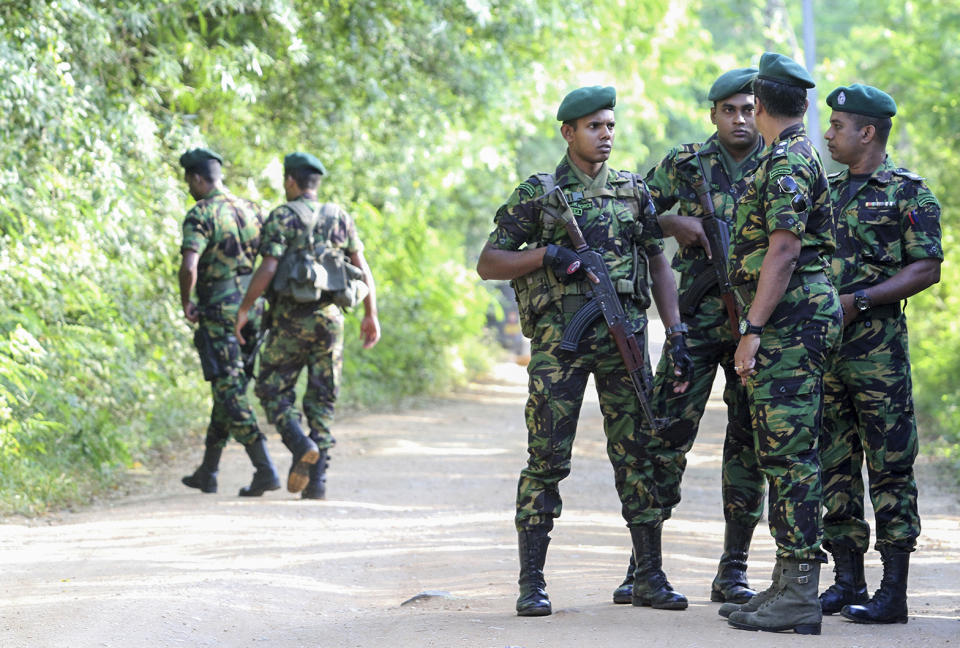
[
  {"x": 677, "y": 328},
  {"x": 861, "y": 301},
  {"x": 746, "y": 328}
]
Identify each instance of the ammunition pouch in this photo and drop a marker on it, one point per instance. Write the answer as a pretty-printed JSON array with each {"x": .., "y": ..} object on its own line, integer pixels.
[{"x": 215, "y": 360}]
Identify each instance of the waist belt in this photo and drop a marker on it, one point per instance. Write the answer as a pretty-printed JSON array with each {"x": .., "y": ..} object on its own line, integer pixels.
[
  {"x": 207, "y": 290},
  {"x": 746, "y": 291}
]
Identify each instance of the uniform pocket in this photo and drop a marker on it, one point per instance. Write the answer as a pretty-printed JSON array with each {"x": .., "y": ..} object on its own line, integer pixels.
[{"x": 879, "y": 230}]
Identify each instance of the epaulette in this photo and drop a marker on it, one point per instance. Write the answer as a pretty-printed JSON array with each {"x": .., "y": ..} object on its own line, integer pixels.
[
  {"x": 529, "y": 186},
  {"x": 909, "y": 175},
  {"x": 779, "y": 150}
]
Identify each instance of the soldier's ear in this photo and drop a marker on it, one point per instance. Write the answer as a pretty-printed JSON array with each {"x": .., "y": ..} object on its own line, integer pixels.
[
  {"x": 713, "y": 113},
  {"x": 566, "y": 130}
]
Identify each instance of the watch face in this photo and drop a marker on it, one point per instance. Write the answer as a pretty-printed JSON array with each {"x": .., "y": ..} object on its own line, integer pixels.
[{"x": 743, "y": 327}]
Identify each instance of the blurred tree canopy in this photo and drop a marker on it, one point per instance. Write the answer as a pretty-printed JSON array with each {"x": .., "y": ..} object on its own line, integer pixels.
[{"x": 426, "y": 114}]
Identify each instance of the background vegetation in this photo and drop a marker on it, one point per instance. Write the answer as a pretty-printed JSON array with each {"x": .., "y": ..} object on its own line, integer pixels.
[{"x": 426, "y": 113}]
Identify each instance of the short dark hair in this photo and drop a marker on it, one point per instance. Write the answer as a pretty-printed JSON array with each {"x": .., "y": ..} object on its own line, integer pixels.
[
  {"x": 882, "y": 125},
  {"x": 572, "y": 123},
  {"x": 307, "y": 178},
  {"x": 209, "y": 169},
  {"x": 780, "y": 99}
]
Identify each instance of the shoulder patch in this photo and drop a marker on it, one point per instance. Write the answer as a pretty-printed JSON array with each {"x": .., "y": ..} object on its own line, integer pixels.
[
  {"x": 778, "y": 171},
  {"x": 927, "y": 199},
  {"x": 527, "y": 188},
  {"x": 903, "y": 173}
]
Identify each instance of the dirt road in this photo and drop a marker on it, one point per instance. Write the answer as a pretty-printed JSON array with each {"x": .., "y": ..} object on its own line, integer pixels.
[{"x": 420, "y": 501}]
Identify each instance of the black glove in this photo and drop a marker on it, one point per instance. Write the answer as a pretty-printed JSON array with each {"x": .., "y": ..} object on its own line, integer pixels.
[
  {"x": 676, "y": 350},
  {"x": 565, "y": 262}
]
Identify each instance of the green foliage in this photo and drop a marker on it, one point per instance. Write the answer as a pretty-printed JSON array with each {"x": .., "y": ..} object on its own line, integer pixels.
[{"x": 425, "y": 112}]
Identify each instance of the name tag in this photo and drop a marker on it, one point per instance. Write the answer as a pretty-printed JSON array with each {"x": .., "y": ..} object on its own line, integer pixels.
[{"x": 871, "y": 205}]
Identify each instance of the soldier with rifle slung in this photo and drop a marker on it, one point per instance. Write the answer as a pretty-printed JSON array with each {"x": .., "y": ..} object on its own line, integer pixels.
[
  {"x": 606, "y": 216},
  {"x": 701, "y": 183}
]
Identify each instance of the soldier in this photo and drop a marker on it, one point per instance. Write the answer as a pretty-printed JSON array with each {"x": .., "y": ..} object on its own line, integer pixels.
[
  {"x": 307, "y": 334},
  {"x": 780, "y": 252},
  {"x": 614, "y": 212},
  {"x": 220, "y": 237},
  {"x": 888, "y": 249},
  {"x": 728, "y": 157}
]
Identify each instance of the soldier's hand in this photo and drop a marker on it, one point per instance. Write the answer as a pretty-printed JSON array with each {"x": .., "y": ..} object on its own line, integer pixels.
[
  {"x": 242, "y": 318},
  {"x": 680, "y": 360},
  {"x": 688, "y": 230},
  {"x": 850, "y": 310},
  {"x": 745, "y": 357},
  {"x": 566, "y": 264},
  {"x": 369, "y": 331},
  {"x": 191, "y": 312}
]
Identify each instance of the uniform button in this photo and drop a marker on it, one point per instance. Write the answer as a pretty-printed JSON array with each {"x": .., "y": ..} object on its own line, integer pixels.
[
  {"x": 868, "y": 323},
  {"x": 783, "y": 389}
]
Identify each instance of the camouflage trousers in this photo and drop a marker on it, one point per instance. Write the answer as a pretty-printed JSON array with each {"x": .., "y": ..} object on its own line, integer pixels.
[
  {"x": 303, "y": 335},
  {"x": 232, "y": 414},
  {"x": 786, "y": 405},
  {"x": 557, "y": 383},
  {"x": 664, "y": 455},
  {"x": 868, "y": 414}
]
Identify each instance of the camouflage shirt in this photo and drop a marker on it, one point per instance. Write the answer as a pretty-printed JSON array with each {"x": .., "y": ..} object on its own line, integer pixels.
[
  {"x": 890, "y": 222},
  {"x": 789, "y": 191},
  {"x": 606, "y": 219},
  {"x": 283, "y": 225},
  {"x": 225, "y": 231},
  {"x": 673, "y": 181}
]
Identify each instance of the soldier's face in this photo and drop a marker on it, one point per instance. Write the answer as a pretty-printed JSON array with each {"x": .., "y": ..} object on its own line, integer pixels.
[
  {"x": 195, "y": 184},
  {"x": 592, "y": 140},
  {"x": 843, "y": 138},
  {"x": 734, "y": 119}
]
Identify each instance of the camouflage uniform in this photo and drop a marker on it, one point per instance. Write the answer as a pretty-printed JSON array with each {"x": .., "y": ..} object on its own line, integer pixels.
[
  {"x": 557, "y": 377},
  {"x": 891, "y": 221},
  {"x": 785, "y": 393},
  {"x": 303, "y": 335},
  {"x": 710, "y": 341},
  {"x": 225, "y": 231}
]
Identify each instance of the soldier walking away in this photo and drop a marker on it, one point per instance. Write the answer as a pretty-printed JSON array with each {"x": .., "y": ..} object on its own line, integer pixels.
[
  {"x": 780, "y": 254},
  {"x": 715, "y": 170},
  {"x": 888, "y": 249},
  {"x": 307, "y": 327},
  {"x": 613, "y": 210},
  {"x": 220, "y": 237}
]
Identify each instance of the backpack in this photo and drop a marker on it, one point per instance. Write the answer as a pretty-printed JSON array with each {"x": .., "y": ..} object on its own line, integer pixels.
[{"x": 310, "y": 272}]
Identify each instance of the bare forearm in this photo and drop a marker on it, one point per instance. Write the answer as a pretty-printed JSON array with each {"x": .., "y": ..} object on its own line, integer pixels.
[
  {"x": 664, "y": 290},
  {"x": 909, "y": 281},
  {"x": 508, "y": 264},
  {"x": 778, "y": 265}
]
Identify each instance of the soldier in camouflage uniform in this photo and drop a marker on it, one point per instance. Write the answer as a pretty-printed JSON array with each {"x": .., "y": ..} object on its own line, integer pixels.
[
  {"x": 220, "y": 237},
  {"x": 614, "y": 212},
  {"x": 728, "y": 158},
  {"x": 888, "y": 249},
  {"x": 783, "y": 240},
  {"x": 306, "y": 334}
]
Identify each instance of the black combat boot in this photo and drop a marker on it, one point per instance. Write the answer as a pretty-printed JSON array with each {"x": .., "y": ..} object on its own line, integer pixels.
[
  {"x": 650, "y": 585},
  {"x": 265, "y": 478},
  {"x": 533, "y": 600},
  {"x": 205, "y": 477},
  {"x": 624, "y": 593},
  {"x": 317, "y": 486},
  {"x": 849, "y": 586},
  {"x": 305, "y": 454},
  {"x": 730, "y": 583},
  {"x": 889, "y": 603}
]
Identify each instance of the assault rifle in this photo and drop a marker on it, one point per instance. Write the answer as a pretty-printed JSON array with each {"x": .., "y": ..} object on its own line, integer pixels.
[
  {"x": 603, "y": 301},
  {"x": 718, "y": 236}
]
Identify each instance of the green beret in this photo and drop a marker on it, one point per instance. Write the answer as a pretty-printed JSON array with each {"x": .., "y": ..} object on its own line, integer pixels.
[
  {"x": 193, "y": 157},
  {"x": 732, "y": 82},
  {"x": 300, "y": 160},
  {"x": 585, "y": 101},
  {"x": 780, "y": 68},
  {"x": 862, "y": 100}
]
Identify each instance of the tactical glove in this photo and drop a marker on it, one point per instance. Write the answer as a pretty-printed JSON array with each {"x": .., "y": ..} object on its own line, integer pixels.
[
  {"x": 565, "y": 262},
  {"x": 676, "y": 350}
]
